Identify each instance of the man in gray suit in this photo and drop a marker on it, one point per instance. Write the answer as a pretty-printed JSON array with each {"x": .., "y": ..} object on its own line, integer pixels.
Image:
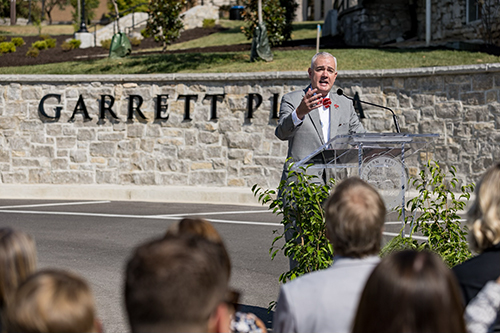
[
  {"x": 326, "y": 300},
  {"x": 311, "y": 117}
]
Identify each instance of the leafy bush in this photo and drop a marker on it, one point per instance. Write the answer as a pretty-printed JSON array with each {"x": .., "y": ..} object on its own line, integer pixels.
[
  {"x": 75, "y": 43},
  {"x": 33, "y": 52},
  {"x": 301, "y": 204},
  {"x": 208, "y": 23},
  {"x": 18, "y": 41},
  {"x": 164, "y": 22},
  {"x": 71, "y": 45},
  {"x": 2, "y": 38},
  {"x": 106, "y": 44},
  {"x": 40, "y": 44},
  {"x": 135, "y": 41},
  {"x": 44, "y": 36},
  {"x": 145, "y": 33},
  {"x": 278, "y": 16},
  {"x": 7, "y": 47},
  {"x": 439, "y": 220},
  {"x": 51, "y": 43}
]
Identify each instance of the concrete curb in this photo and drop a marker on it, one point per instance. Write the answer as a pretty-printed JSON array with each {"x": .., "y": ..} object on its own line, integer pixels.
[{"x": 185, "y": 194}]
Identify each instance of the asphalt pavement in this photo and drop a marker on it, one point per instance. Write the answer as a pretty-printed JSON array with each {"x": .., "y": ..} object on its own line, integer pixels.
[{"x": 95, "y": 239}]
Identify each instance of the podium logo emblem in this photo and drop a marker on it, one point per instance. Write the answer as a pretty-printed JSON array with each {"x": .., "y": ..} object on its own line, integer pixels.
[{"x": 388, "y": 175}]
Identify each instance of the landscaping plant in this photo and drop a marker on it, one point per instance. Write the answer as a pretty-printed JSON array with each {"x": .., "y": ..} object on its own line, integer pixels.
[
  {"x": 18, "y": 41},
  {"x": 300, "y": 206},
  {"x": 7, "y": 47},
  {"x": 437, "y": 207},
  {"x": 164, "y": 22}
]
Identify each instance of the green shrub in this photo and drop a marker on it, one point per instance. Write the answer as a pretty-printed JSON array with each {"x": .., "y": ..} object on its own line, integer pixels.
[
  {"x": 278, "y": 16},
  {"x": 208, "y": 23},
  {"x": 135, "y": 41},
  {"x": 145, "y": 33},
  {"x": 51, "y": 43},
  {"x": 7, "y": 47},
  {"x": 71, "y": 45},
  {"x": 33, "y": 52},
  {"x": 106, "y": 44},
  {"x": 439, "y": 220},
  {"x": 2, "y": 38},
  {"x": 40, "y": 44},
  {"x": 300, "y": 203},
  {"x": 44, "y": 36},
  {"x": 75, "y": 43},
  {"x": 18, "y": 41}
]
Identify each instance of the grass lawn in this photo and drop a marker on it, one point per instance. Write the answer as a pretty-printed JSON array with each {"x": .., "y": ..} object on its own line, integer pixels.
[
  {"x": 32, "y": 30},
  {"x": 294, "y": 60}
]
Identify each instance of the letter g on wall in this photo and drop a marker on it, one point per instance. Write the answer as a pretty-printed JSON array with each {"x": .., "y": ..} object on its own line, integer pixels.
[{"x": 57, "y": 109}]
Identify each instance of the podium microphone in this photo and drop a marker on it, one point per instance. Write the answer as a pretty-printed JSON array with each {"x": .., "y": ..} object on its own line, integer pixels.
[{"x": 340, "y": 92}]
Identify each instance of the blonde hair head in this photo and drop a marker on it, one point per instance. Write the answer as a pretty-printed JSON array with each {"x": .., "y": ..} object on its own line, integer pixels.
[
  {"x": 52, "y": 301},
  {"x": 484, "y": 215},
  {"x": 17, "y": 260}
]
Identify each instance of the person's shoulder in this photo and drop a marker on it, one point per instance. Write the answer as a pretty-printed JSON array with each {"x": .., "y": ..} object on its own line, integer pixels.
[
  {"x": 305, "y": 281},
  {"x": 488, "y": 258},
  {"x": 295, "y": 93}
]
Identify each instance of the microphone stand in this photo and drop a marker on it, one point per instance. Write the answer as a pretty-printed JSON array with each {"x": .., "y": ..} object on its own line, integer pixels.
[{"x": 340, "y": 92}]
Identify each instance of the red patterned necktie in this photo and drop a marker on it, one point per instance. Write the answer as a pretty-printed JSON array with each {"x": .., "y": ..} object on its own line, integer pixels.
[{"x": 327, "y": 102}]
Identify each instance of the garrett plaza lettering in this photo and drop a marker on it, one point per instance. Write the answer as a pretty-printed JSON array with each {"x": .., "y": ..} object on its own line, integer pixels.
[{"x": 135, "y": 102}]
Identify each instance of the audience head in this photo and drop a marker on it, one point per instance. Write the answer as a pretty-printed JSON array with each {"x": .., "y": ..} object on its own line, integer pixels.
[
  {"x": 410, "y": 292},
  {"x": 17, "y": 260},
  {"x": 484, "y": 214},
  {"x": 204, "y": 229},
  {"x": 355, "y": 215},
  {"x": 53, "y": 301},
  {"x": 177, "y": 284}
]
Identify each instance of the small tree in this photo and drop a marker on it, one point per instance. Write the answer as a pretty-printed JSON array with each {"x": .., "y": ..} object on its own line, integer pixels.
[
  {"x": 51, "y": 4},
  {"x": 438, "y": 206},
  {"x": 300, "y": 206},
  {"x": 278, "y": 16},
  {"x": 489, "y": 19},
  {"x": 90, "y": 6},
  {"x": 164, "y": 21}
]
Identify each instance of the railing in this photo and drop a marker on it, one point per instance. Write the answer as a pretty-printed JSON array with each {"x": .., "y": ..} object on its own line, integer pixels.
[
  {"x": 342, "y": 5},
  {"x": 121, "y": 14}
]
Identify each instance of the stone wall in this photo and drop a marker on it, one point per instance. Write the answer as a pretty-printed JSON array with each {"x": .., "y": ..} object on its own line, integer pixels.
[
  {"x": 375, "y": 22},
  {"x": 227, "y": 146},
  {"x": 449, "y": 21}
]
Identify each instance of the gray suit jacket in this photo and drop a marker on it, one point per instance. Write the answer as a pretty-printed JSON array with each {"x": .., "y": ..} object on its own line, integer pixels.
[
  {"x": 323, "y": 301},
  {"x": 308, "y": 136}
]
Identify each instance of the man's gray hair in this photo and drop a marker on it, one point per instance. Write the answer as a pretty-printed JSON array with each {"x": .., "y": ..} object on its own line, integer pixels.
[{"x": 323, "y": 54}]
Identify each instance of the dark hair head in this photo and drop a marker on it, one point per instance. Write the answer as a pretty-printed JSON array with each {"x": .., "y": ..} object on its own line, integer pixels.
[
  {"x": 204, "y": 229},
  {"x": 174, "y": 284},
  {"x": 355, "y": 215},
  {"x": 410, "y": 292}
]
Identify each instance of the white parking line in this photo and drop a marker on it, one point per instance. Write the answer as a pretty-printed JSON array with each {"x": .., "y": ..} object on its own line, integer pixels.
[
  {"x": 393, "y": 234},
  {"x": 151, "y": 217},
  {"x": 216, "y": 213},
  {"x": 56, "y": 204}
]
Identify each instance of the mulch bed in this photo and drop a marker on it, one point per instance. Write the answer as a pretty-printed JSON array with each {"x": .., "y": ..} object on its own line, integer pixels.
[{"x": 56, "y": 54}]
